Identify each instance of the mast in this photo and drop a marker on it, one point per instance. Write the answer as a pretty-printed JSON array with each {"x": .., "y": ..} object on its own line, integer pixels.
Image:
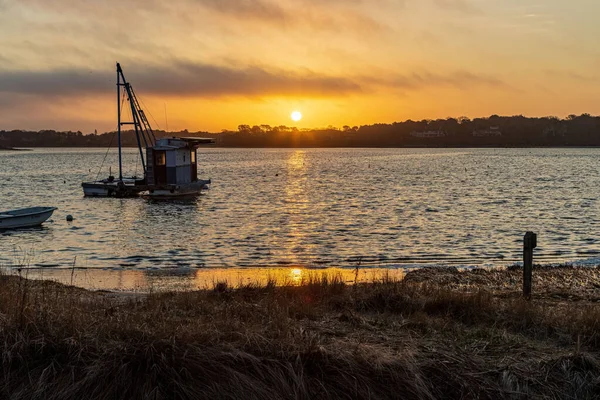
[
  {"x": 139, "y": 121},
  {"x": 119, "y": 119}
]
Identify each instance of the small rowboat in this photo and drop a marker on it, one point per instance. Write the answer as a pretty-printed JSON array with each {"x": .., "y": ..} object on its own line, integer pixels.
[{"x": 25, "y": 217}]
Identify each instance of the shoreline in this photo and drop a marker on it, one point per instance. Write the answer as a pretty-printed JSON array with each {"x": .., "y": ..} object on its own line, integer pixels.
[
  {"x": 15, "y": 149},
  {"x": 192, "y": 279},
  {"x": 220, "y": 146}
]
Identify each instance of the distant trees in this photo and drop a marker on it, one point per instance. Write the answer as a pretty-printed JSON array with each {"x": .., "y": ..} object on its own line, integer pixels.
[
  {"x": 50, "y": 138},
  {"x": 575, "y": 130}
]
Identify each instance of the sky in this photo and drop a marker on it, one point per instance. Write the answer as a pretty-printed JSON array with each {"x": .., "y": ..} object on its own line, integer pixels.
[{"x": 209, "y": 65}]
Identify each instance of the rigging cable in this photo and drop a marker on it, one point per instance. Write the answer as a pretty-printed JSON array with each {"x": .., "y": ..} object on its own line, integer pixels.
[
  {"x": 166, "y": 120},
  {"x": 106, "y": 155},
  {"x": 147, "y": 128},
  {"x": 110, "y": 144},
  {"x": 129, "y": 114},
  {"x": 151, "y": 116}
]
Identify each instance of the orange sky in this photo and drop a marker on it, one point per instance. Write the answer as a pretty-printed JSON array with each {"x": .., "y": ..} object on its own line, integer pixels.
[{"x": 216, "y": 64}]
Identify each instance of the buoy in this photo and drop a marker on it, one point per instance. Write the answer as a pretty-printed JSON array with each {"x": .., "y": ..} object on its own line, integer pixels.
[{"x": 69, "y": 218}]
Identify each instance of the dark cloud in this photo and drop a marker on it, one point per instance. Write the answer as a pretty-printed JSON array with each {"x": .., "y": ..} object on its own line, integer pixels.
[
  {"x": 182, "y": 79},
  {"x": 211, "y": 81},
  {"x": 47, "y": 94},
  {"x": 52, "y": 82}
]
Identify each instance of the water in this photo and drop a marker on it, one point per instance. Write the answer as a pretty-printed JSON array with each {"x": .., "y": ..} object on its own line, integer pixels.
[{"x": 321, "y": 208}]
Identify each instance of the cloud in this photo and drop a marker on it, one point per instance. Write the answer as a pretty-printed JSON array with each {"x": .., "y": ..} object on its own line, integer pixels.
[
  {"x": 180, "y": 79},
  {"x": 575, "y": 76},
  {"x": 463, "y": 80},
  {"x": 258, "y": 9},
  {"x": 351, "y": 15},
  {"x": 317, "y": 15},
  {"x": 186, "y": 79},
  {"x": 53, "y": 82},
  {"x": 463, "y": 6}
]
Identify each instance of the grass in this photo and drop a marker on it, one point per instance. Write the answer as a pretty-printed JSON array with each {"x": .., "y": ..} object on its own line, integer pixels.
[{"x": 436, "y": 334}]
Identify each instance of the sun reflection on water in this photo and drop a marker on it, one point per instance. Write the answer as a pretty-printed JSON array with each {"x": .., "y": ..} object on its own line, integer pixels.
[
  {"x": 206, "y": 279},
  {"x": 296, "y": 276},
  {"x": 297, "y": 205}
]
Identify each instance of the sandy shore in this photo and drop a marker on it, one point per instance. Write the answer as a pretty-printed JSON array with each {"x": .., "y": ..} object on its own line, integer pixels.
[{"x": 549, "y": 282}]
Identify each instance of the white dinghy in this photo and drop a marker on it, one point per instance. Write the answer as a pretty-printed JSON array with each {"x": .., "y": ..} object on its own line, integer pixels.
[{"x": 25, "y": 217}]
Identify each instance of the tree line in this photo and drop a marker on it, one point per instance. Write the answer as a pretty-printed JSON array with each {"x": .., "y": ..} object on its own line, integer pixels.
[{"x": 514, "y": 131}]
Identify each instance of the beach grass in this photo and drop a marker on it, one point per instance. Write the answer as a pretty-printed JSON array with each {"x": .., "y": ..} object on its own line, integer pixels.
[{"x": 436, "y": 334}]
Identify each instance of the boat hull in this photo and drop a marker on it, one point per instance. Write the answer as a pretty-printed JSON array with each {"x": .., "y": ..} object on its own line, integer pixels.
[
  {"x": 25, "y": 218},
  {"x": 177, "y": 191},
  {"x": 111, "y": 189}
]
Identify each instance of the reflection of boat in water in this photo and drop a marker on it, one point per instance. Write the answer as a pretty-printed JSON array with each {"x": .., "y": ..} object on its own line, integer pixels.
[
  {"x": 170, "y": 166},
  {"x": 25, "y": 217}
]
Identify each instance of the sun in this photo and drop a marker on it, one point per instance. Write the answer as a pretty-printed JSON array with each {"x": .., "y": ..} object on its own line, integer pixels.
[{"x": 296, "y": 116}]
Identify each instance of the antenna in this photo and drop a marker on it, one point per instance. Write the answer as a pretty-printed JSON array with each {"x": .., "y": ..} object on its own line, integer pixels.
[{"x": 166, "y": 121}]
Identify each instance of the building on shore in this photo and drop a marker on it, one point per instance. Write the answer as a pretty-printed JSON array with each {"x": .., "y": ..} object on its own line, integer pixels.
[
  {"x": 428, "y": 134},
  {"x": 556, "y": 130},
  {"x": 491, "y": 131}
]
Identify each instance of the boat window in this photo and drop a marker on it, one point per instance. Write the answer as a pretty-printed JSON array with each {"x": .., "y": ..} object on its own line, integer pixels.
[
  {"x": 161, "y": 158},
  {"x": 193, "y": 157}
]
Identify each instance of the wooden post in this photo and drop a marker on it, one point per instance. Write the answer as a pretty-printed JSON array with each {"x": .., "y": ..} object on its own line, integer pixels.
[{"x": 529, "y": 243}]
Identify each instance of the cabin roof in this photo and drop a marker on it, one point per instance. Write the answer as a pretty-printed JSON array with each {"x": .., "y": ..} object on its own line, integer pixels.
[
  {"x": 197, "y": 140},
  {"x": 174, "y": 143}
]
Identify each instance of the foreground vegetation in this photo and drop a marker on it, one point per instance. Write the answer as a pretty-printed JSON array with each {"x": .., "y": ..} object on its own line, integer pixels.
[{"x": 436, "y": 334}]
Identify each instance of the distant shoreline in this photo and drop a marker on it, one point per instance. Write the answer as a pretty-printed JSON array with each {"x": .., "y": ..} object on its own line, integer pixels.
[
  {"x": 30, "y": 148},
  {"x": 2, "y": 148},
  {"x": 462, "y": 132}
]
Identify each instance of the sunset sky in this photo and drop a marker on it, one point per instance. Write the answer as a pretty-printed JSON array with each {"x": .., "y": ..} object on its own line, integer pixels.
[{"x": 216, "y": 64}]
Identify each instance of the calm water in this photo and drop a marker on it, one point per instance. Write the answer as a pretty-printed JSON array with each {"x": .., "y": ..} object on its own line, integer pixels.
[{"x": 313, "y": 207}]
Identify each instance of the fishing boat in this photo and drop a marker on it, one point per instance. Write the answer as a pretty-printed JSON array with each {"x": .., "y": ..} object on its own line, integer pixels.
[
  {"x": 121, "y": 186},
  {"x": 169, "y": 164},
  {"x": 25, "y": 217}
]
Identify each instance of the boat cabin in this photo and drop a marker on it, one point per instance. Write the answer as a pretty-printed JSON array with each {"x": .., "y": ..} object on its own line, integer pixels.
[{"x": 172, "y": 161}]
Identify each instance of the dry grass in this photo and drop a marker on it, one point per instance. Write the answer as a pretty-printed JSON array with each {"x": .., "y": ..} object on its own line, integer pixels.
[{"x": 440, "y": 337}]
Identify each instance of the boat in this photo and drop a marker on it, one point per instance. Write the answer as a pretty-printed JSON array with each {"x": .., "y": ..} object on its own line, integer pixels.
[
  {"x": 111, "y": 187},
  {"x": 121, "y": 186},
  {"x": 170, "y": 164},
  {"x": 25, "y": 217},
  {"x": 172, "y": 171}
]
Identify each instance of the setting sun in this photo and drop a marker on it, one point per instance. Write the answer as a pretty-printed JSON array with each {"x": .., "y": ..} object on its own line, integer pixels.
[{"x": 296, "y": 116}]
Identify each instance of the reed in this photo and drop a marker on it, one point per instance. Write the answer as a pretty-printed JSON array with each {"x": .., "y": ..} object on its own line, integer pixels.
[{"x": 323, "y": 339}]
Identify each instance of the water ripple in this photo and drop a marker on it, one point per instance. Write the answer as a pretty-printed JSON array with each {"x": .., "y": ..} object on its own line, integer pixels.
[{"x": 317, "y": 207}]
